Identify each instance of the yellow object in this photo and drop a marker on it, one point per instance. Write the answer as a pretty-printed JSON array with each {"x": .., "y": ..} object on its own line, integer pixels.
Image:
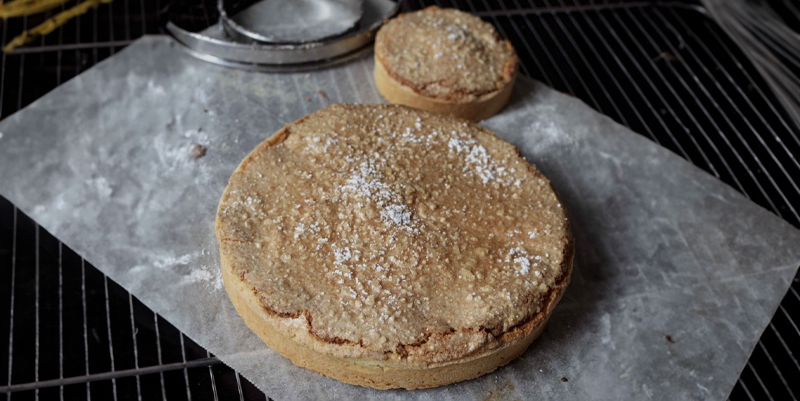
[
  {"x": 21, "y": 8},
  {"x": 51, "y": 24}
]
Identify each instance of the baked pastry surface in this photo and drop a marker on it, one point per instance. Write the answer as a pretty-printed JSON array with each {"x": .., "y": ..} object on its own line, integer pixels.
[
  {"x": 388, "y": 247},
  {"x": 444, "y": 60}
]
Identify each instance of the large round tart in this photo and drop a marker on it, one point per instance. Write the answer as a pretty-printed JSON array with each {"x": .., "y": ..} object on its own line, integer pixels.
[{"x": 390, "y": 247}]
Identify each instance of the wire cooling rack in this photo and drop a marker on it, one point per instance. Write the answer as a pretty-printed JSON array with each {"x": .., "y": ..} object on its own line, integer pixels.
[{"x": 664, "y": 69}]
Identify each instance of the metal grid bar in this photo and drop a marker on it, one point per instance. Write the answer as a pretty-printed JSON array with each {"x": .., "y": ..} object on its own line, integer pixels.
[
  {"x": 134, "y": 330},
  {"x": 791, "y": 290},
  {"x": 213, "y": 382},
  {"x": 671, "y": 89},
  {"x": 758, "y": 378},
  {"x": 746, "y": 98},
  {"x": 75, "y": 53},
  {"x": 75, "y": 46},
  {"x": 716, "y": 126},
  {"x": 741, "y": 384},
  {"x": 783, "y": 342},
  {"x": 590, "y": 6},
  {"x": 609, "y": 72},
  {"x": 239, "y": 387},
  {"x": 591, "y": 72},
  {"x": 60, "y": 319},
  {"x": 21, "y": 68},
  {"x": 659, "y": 95},
  {"x": 694, "y": 97},
  {"x": 197, "y": 363},
  {"x": 530, "y": 54},
  {"x": 3, "y": 71},
  {"x": 760, "y": 92},
  {"x": 564, "y": 54},
  {"x": 11, "y": 312},
  {"x": 682, "y": 103},
  {"x": 58, "y": 53},
  {"x": 185, "y": 370},
  {"x": 142, "y": 16},
  {"x": 111, "y": 29},
  {"x": 127, "y": 20},
  {"x": 777, "y": 370},
  {"x": 94, "y": 36},
  {"x": 638, "y": 89},
  {"x": 85, "y": 327},
  {"x": 160, "y": 360},
  {"x": 754, "y": 132},
  {"x": 36, "y": 310},
  {"x": 110, "y": 339},
  {"x": 547, "y": 52}
]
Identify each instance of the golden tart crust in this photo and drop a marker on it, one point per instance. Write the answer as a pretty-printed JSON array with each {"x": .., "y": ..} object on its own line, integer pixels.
[
  {"x": 390, "y": 247},
  {"x": 446, "y": 61}
]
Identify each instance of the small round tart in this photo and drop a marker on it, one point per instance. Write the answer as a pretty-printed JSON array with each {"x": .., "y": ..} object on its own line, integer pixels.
[
  {"x": 446, "y": 61},
  {"x": 389, "y": 247}
]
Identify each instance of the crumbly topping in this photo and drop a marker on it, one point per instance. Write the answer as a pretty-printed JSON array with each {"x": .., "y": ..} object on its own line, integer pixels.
[
  {"x": 445, "y": 53},
  {"x": 389, "y": 225}
]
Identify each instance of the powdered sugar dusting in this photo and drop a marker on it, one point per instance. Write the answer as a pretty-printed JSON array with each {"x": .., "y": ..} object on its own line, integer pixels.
[
  {"x": 342, "y": 255},
  {"x": 171, "y": 261},
  {"x": 478, "y": 159},
  {"x": 211, "y": 278},
  {"x": 303, "y": 228},
  {"x": 202, "y": 274},
  {"x": 250, "y": 203},
  {"x": 399, "y": 214},
  {"x": 101, "y": 185},
  {"x": 366, "y": 182},
  {"x": 520, "y": 260}
]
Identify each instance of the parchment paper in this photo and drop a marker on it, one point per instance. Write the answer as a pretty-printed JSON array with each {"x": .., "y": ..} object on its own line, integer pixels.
[{"x": 105, "y": 163}]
